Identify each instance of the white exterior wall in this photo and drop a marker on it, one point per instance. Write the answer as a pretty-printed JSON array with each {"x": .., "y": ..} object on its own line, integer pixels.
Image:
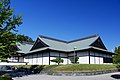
[
  {"x": 101, "y": 60},
  {"x": 83, "y": 57},
  {"x": 92, "y": 60},
  {"x": 12, "y": 59},
  {"x": 95, "y": 58},
  {"x": 34, "y": 60},
  {"x": 84, "y": 60},
  {"x": 52, "y": 63},
  {"x": 64, "y": 57},
  {"x": 69, "y": 61},
  {"x": 98, "y": 59},
  {"x": 45, "y": 60},
  {"x": 26, "y": 59},
  {"x": 65, "y": 61},
  {"x": 30, "y": 59},
  {"x": 37, "y": 59},
  {"x": 5, "y": 63},
  {"x": 21, "y": 59},
  {"x": 55, "y": 55}
]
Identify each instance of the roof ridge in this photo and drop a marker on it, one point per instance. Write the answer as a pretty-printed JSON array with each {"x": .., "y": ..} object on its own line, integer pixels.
[
  {"x": 96, "y": 35},
  {"x": 52, "y": 38},
  {"x": 25, "y": 42}
]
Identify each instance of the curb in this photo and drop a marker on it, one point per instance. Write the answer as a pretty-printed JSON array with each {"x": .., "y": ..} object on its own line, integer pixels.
[{"x": 79, "y": 73}]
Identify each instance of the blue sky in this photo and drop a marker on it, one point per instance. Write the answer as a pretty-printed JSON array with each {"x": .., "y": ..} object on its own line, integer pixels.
[{"x": 70, "y": 19}]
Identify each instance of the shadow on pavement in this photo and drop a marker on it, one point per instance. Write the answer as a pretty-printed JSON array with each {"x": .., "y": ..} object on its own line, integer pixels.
[
  {"x": 17, "y": 72},
  {"x": 116, "y": 76}
]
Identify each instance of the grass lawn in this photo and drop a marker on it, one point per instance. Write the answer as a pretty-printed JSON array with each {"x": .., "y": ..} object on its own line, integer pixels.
[{"x": 81, "y": 67}]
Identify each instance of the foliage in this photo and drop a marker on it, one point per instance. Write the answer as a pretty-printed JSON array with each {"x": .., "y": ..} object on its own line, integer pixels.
[
  {"x": 5, "y": 77},
  {"x": 57, "y": 60},
  {"x": 76, "y": 60},
  {"x": 22, "y": 38},
  {"x": 83, "y": 67},
  {"x": 38, "y": 68},
  {"x": 22, "y": 66},
  {"x": 116, "y": 58},
  {"x": 8, "y": 24},
  {"x": 7, "y": 44},
  {"x": 35, "y": 68}
]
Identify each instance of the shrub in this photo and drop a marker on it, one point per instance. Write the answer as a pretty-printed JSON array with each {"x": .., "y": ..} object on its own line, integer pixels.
[
  {"x": 38, "y": 68},
  {"x": 57, "y": 60},
  {"x": 30, "y": 68},
  {"x": 76, "y": 60},
  {"x": 5, "y": 77}
]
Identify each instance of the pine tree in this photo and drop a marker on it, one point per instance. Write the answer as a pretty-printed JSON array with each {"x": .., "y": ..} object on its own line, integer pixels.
[{"x": 8, "y": 24}]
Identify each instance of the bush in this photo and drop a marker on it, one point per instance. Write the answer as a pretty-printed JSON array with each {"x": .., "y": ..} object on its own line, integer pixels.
[
  {"x": 76, "y": 60},
  {"x": 22, "y": 66},
  {"x": 39, "y": 68},
  {"x": 5, "y": 77},
  {"x": 57, "y": 60},
  {"x": 118, "y": 67},
  {"x": 30, "y": 68}
]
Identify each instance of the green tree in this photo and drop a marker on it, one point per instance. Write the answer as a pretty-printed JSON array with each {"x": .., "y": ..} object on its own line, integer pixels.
[
  {"x": 8, "y": 24},
  {"x": 57, "y": 60},
  {"x": 116, "y": 58},
  {"x": 22, "y": 38}
]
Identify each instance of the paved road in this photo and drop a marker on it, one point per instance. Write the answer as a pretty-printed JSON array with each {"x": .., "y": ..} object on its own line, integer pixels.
[{"x": 48, "y": 77}]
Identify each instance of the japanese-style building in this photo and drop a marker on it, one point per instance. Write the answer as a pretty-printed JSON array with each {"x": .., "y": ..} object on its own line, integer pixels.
[{"x": 90, "y": 50}]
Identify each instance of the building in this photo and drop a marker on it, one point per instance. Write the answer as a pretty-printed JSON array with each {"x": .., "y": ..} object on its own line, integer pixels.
[{"x": 90, "y": 50}]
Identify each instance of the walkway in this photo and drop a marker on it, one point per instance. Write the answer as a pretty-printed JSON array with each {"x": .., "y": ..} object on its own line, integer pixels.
[{"x": 48, "y": 77}]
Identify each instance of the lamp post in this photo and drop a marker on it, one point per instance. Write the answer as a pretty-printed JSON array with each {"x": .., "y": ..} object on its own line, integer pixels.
[{"x": 74, "y": 53}]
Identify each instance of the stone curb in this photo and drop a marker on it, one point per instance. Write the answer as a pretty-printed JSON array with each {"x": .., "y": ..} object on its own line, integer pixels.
[{"x": 79, "y": 73}]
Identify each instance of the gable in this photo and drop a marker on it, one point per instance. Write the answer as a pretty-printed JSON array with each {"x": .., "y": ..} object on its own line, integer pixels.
[
  {"x": 38, "y": 44},
  {"x": 99, "y": 44}
]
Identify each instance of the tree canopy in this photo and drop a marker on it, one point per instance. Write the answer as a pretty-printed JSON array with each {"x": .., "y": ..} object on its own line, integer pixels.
[
  {"x": 116, "y": 58},
  {"x": 8, "y": 23},
  {"x": 22, "y": 38}
]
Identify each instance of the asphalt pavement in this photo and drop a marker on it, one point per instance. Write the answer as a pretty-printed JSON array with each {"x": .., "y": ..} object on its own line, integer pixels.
[{"x": 109, "y": 76}]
